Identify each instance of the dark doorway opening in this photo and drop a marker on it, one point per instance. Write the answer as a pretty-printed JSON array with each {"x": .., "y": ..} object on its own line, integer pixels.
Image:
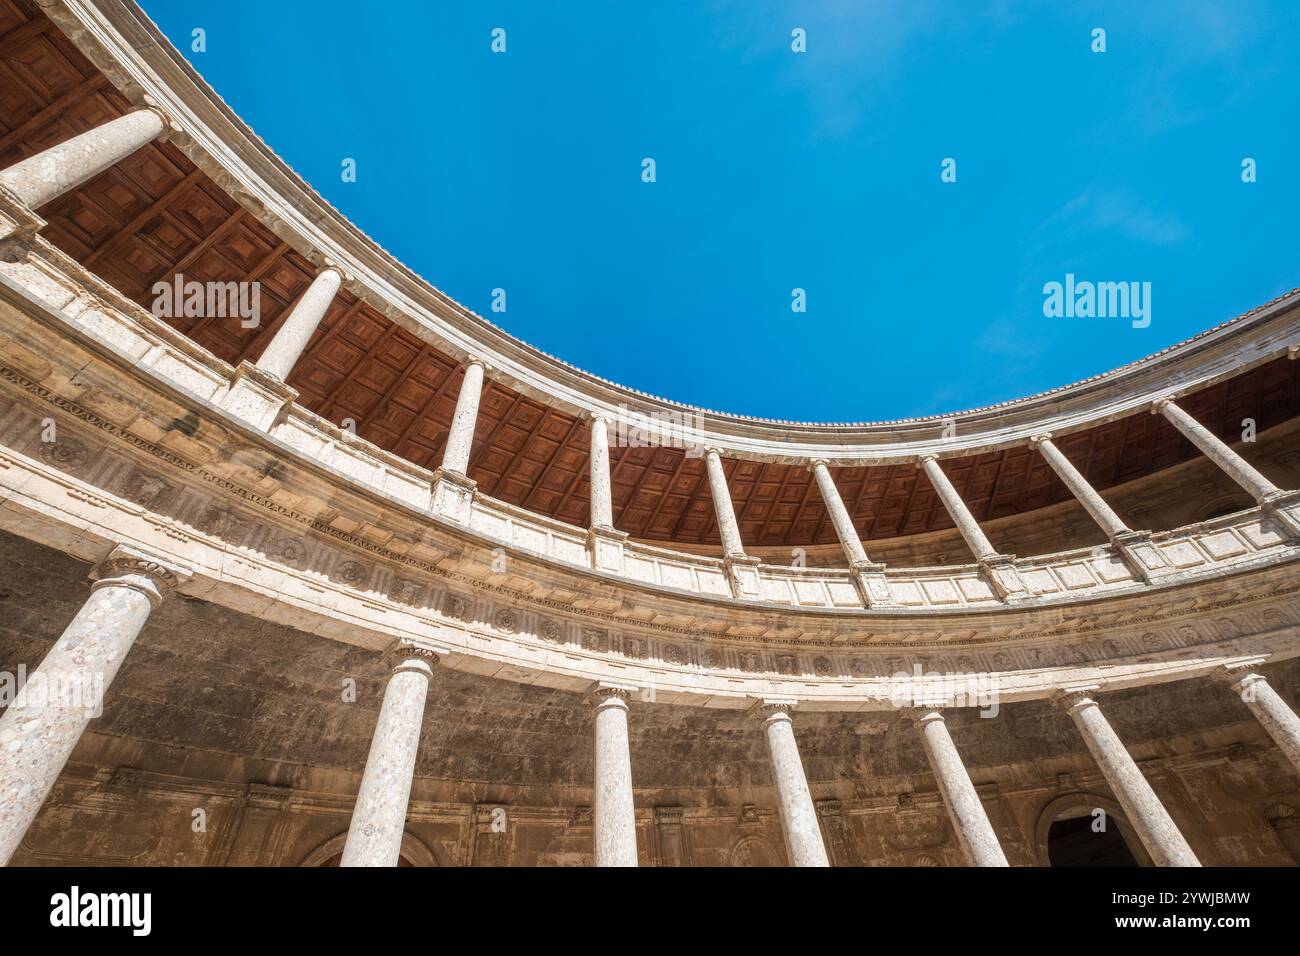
[{"x": 1073, "y": 842}]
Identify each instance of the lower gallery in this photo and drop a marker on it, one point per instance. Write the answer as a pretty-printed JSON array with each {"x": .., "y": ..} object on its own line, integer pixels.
[{"x": 364, "y": 581}]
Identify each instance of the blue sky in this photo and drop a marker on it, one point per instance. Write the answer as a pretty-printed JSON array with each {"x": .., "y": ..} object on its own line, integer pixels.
[{"x": 777, "y": 170}]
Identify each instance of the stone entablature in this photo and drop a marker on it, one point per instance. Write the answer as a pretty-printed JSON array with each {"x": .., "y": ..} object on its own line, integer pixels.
[{"x": 121, "y": 41}]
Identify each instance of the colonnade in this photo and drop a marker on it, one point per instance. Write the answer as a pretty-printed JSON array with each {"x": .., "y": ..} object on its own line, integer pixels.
[
  {"x": 38, "y": 735},
  {"x": 36, "y": 741},
  {"x": 45, "y": 176}
]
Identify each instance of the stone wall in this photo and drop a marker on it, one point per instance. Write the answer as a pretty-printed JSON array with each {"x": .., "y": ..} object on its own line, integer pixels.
[{"x": 246, "y": 721}]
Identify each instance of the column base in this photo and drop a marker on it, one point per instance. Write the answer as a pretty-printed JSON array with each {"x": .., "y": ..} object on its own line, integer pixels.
[
  {"x": 742, "y": 574},
  {"x": 1284, "y": 508},
  {"x": 605, "y": 547},
  {"x": 1141, "y": 556},
  {"x": 257, "y": 397},
  {"x": 1004, "y": 577},
  {"x": 19, "y": 225},
  {"x": 873, "y": 586},
  {"x": 453, "y": 495}
]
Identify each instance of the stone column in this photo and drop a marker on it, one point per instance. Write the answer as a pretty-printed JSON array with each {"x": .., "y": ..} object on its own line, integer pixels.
[
  {"x": 978, "y": 841},
  {"x": 296, "y": 331},
  {"x": 868, "y": 576},
  {"x": 42, "y": 726},
  {"x": 1236, "y": 467},
  {"x": 1083, "y": 492},
  {"x": 461, "y": 436},
  {"x": 840, "y": 519},
  {"x": 1266, "y": 704},
  {"x": 1145, "y": 813},
  {"x": 999, "y": 569},
  {"x": 60, "y": 169},
  {"x": 965, "y": 521},
  {"x": 722, "y": 507},
  {"x": 803, "y": 835},
  {"x": 379, "y": 816},
  {"x": 602, "y": 502},
  {"x": 613, "y": 813}
]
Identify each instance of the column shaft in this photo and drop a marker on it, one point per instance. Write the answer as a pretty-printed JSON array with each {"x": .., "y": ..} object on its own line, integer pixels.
[
  {"x": 840, "y": 518},
  {"x": 1155, "y": 828},
  {"x": 966, "y": 523},
  {"x": 803, "y": 835},
  {"x": 379, "y": 816},
  {"x": 613, "y": 813},
  {"x": 1236, "y": 467},
  {"x": 1268, "y": 707},
  {"x": 602, "y": 503},
  {"x": 41, "y": 727},
  {"x": 291, "y": 339},
  {"x": 62, "y": 168},
  {"x": 1083, "y": 492},
  {"x": 722, "y": 507},
  {"x": 978, "y": 841},
  {"x": 460, "y": 439}
]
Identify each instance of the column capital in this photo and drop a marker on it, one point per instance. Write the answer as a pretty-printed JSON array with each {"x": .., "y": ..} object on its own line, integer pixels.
[
  {"x": 329, "y": 265},
  {"x": 814, "y": 462},
  {"x": 604, "y": 692},
  {"x": 1040, "y": 438},
  {"x": 599, "y": 415},
  {"x": 711, "y": 450},
  {"x": 1071, "y": 699},
  {"x": 1293, "y": 352},
  {"x": 1158, "y": 406},
  {"x": 922, "y": 714},
  {"x": 169, "y": 123},
  {"x": 404, "y": 652},
  {"x": 147, "y": 573},
  {"x": 767, "y": 708},
  {"x": 475, "y": 360},
  {"x": 1240, "y": 673},
  {"x": 922, "y": 459}
]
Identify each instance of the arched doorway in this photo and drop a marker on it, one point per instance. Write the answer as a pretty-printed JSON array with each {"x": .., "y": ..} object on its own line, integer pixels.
[
  {"x": 1076, "y": 841},
  {"x": 1087, "y": 830}
]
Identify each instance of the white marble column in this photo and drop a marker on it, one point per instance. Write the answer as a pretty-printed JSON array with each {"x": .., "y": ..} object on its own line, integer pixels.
[
  {"x": 296, "y": 331},
  {"x": 1148, "y": 817},
  {"x": 840, "y": 518},
  {"x": 52, "y": 172},
  {"x": 978, "y": 841},
  {"x": 965, "y": 521},
  {"x": 1083, "y": 492},
  {"x": 1236, "y": 467},
  {"x": 1266, "y": 704},
  {"x": 379, "y": 816},
  {"x": 803, "y": 835},
  {"x": 42, "y": 726},
  {"x": 460, "y": 439},
  {"x": 602, "y": 502},
  {"x": 722, "y": 507},
  {"x": 613, "y": 813}
]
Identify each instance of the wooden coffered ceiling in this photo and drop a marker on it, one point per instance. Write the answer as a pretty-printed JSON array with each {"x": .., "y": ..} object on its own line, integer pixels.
[{"x": 155, "y": 215}]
